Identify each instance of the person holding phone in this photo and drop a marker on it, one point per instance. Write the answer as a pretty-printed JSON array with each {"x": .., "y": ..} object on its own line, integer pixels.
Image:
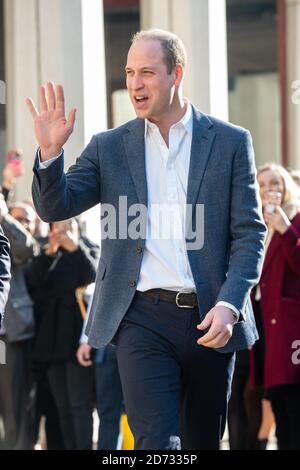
[
  {"x": 4, "y": 272},
  {"x": 13, "y": 169},
  {"x": 15, "y": 161},
  {"x": 278, "y": 297},
  {"x": 17, "y": 396}
]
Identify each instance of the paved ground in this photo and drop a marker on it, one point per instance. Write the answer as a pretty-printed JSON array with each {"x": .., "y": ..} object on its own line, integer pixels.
[{"x": 225, "y": 444}]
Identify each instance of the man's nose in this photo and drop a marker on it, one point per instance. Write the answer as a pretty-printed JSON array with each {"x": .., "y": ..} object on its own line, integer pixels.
[{"x": 137, "y": 83}]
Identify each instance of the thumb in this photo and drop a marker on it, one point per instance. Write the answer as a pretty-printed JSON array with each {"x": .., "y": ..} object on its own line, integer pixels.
[
  {"x": 71, "y": 119},
  {"x": 207, "y": 321}
]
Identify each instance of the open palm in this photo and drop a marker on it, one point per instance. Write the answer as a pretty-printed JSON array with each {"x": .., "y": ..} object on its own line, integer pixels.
[{"x": 52, "y": 129}]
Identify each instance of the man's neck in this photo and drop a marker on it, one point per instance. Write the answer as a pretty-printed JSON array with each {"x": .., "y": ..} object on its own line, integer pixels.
[{"x": 175, "y": 114}]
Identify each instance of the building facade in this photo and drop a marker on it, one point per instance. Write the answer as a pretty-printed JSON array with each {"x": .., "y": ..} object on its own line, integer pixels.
[{"x": 243, "y": 65}]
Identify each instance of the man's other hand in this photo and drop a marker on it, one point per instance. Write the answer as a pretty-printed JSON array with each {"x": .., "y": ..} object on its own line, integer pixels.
[
  {"x": 220, "y": 321},
  {"x": 84, "y": 355}
]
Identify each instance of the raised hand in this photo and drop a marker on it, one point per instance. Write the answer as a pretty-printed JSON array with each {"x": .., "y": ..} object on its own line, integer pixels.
[
  {"x": 53, "y": 244},
  {"x": 277, "y": 219},
  {"x": 68, "y": 240},
  {"x": 52, "y": 129}
]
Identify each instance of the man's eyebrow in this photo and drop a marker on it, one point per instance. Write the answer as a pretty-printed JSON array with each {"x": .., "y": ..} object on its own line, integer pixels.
[{"x": 149, "y": 67}]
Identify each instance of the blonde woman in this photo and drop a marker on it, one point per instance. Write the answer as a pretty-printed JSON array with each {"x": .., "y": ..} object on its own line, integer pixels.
[{"x": 279, "y": 295}]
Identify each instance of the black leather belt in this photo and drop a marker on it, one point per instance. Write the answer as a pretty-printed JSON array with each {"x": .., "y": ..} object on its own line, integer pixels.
[{"x": 181, "y": 299}]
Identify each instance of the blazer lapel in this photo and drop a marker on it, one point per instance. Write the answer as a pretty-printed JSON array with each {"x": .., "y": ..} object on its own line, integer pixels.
[
  {"x": 134, "y": 143},
  {"x": 202, "y": 141}
]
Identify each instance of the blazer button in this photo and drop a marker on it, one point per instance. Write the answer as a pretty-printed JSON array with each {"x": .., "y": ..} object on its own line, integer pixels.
[
  {"x": 132, "y": 283},
  {"x": 273, "y": 321},
  {"x": 139, "y": 250}
]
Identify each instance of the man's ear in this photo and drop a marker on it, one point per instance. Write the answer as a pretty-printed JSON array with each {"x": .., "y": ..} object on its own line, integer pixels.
[{"x": 178, "y": 74}]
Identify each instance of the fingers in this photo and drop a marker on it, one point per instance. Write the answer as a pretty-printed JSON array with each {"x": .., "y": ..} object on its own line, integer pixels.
[
  {"x": 87, "y": 363},
  {"x": 51, "y": 98},
  {"x": 83, "y": 361},
  {"x": 217, "y": 342},
  {"x": 216, "y": 337},
  {"x": 83, "y": 357},
  {"x": 51, "y": 95},
  {"x": 47, "y": 97},
  {"x": 43, "y": 99},
  {"x": 212, "y": 333},
  {"x": 33, "y": 111},
  {"x": 60, "y": 99},
  {"x": 206, "y": 322}
]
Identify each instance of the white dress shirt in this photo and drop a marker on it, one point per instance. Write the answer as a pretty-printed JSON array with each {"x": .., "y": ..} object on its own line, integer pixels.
[{"x": 165, "y": 263}]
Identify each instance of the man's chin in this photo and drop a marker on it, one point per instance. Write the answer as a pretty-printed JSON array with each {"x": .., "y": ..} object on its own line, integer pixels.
[{"x": 142, "y": 113}]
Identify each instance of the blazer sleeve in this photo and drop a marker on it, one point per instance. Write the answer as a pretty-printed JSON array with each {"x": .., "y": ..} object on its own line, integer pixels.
[
  {"x": 247, "y": 229},
  {"x": 58, "y": 195}
]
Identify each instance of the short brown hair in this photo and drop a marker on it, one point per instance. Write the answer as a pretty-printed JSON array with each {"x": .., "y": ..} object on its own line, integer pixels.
[{"x": 172, "y": 46}]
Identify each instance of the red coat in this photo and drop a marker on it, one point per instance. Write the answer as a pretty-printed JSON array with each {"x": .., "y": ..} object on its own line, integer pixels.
[{"x": 280, "y": 302}]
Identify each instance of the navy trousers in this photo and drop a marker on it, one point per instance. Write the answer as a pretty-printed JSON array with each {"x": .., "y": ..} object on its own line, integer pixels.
[{"x": 175, "y": 391}]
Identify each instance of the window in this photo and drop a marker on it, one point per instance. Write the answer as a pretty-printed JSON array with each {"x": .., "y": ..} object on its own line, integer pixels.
[
  {"x": 121, "y": 21},
  {"x": 254, "y": 85}
]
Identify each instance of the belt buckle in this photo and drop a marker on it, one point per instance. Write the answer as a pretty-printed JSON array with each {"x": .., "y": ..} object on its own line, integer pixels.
[{"x": 177, "y": 298}]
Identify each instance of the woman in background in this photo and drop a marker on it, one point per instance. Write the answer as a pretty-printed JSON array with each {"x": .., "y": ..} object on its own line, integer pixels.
[{"x": 278, "y": 294}]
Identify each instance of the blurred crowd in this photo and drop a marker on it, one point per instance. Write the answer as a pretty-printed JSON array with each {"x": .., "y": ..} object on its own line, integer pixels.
[{"x": 52, "y": 373}]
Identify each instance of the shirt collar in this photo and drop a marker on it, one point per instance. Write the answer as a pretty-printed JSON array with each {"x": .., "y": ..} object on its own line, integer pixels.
[{"x": 186, "y": 121}]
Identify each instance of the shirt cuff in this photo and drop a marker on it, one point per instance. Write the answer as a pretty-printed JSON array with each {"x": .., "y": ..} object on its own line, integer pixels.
[
  {"x": 232, "y": 307},
  {"x": 83, "y": 339},
  {"x": 44, "y": 165}
]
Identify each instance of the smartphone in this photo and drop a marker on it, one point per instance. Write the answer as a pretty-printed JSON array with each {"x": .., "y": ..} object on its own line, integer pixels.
[
  {"x": 15, "y": 161},
  {"x": 274, "y": 199}
]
